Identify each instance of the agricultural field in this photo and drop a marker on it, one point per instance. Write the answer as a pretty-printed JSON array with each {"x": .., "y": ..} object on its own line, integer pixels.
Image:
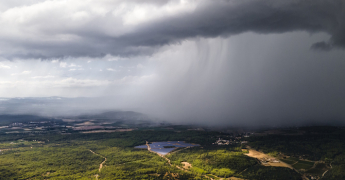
[
  {"x": 319, "y": 169},
  {"x": 305, "y": 165},
  {"x": 289, "y": 161},
  {"x": 299, "y": 164}
]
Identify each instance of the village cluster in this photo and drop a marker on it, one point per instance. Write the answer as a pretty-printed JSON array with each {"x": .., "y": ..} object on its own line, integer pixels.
[{"x": 230, "y": 141}]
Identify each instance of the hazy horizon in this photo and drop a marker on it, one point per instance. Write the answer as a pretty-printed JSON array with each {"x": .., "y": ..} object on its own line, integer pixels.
[{"x": 241, "y": 63}]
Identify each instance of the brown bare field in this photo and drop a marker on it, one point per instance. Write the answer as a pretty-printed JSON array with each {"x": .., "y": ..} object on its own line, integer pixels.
[
  {"x": 99, "y": 131},
  {"x": 259, "y": 155},
  {"x": 87, "y": 123},
  {"x": 87, "y": 128},
  {"x": 256, "y": 154},
  {"x": 108, "y": 131},
  {"x": 123, "y": 130},
  {"x": 280, "y": 164}
]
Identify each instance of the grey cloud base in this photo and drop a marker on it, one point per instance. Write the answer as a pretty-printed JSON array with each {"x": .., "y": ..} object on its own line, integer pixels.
[{"x": 52, "y": 35}]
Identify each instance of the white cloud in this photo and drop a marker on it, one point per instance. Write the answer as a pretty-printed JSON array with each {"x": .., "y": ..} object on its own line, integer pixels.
[
  {"x": 140, "y": 66},
  {"x": 75, "y": 69},
  {"x": 73, "y": 82},
  {"x": 22, "y": 73},
  {"x": 74, "y": 65},
  {"x": 137, "y": 79},
  {"x": 110, "y": 69},
  {"x": 62, "y": 83},
  {"x": 2, "y": 66},
  {"x": 63, "y": 64},
  {"x": 42, "y": 77},
  {"x": 139, "y": 14}
]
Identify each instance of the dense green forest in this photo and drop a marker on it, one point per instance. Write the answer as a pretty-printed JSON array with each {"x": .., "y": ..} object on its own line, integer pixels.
[
  {"x": 219, "y": 161},
  {"x": 78, "y": 156},
  {"x": 230, "y": 161},
  {"x": 69, "y": 156},
  {"x": 268, "y": 172}
]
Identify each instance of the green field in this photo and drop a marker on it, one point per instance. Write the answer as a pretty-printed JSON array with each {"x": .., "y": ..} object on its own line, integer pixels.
[
  {"x": 218, "y": 161},
  {"x": 303, "y": 165},
  {"x": 319, "y": 169},
  {"x": 300, "y": 166},
  {"x": 270, "y": 173},
  {"x": 288, "y": 161}
]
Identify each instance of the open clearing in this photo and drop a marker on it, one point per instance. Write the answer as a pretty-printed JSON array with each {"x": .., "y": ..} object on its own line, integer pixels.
[
  {"x": 259, "y": 155},
  {"x": 186, "y": 165}
]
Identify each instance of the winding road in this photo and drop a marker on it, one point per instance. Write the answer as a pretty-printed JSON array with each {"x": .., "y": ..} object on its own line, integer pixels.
[{"x": 101, "y": 165}]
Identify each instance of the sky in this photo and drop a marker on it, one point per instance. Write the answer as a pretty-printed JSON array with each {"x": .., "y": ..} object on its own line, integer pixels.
[{"x": 241, "y": 63}]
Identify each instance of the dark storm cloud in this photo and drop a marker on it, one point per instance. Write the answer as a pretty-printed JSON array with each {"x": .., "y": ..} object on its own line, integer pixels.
[
  {"x": 209, "y": 19},
  {"x": 229, "y": 18},
  {"x": 248, "y": 80},
  {"x": 321, "y": 46}
]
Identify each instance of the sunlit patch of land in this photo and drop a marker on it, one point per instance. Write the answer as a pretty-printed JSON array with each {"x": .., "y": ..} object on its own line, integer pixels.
[
  {"x": 267, "y": 160},
  {"x": 186, "y": 165},
  {"x": 86, "y": 123}
]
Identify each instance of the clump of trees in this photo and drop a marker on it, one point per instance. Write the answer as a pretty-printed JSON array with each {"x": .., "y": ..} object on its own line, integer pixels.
[
  {"x": 268, "y": 172},
  {"x": 219, "y": 161}
]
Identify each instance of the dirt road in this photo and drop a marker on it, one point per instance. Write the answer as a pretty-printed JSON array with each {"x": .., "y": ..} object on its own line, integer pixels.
[{"x": 101, "y": 165}]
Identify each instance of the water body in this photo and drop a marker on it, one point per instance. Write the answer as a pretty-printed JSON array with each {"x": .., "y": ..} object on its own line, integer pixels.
[
  {"x": 141, "y": 146},
  {"x": 159, "y": 146}
]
